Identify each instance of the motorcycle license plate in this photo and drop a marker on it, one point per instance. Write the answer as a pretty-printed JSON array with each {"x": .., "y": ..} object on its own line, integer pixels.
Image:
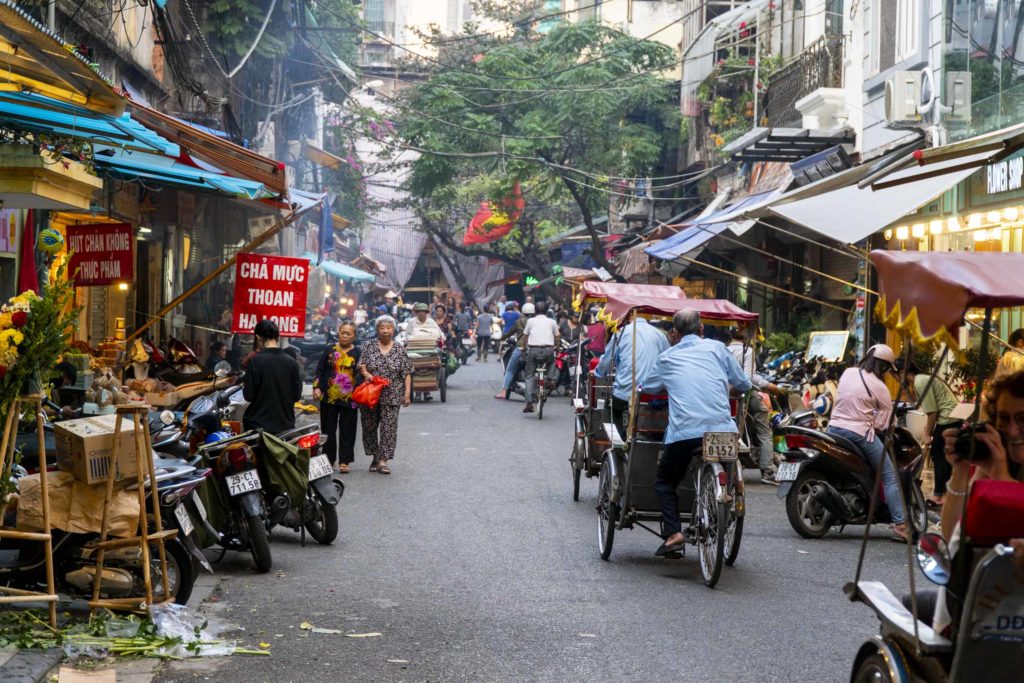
[
  {"x": 243, "y": 482},
  {"x": 787, "y": 471},
  {"x": 721, "y": 446},
  {"x": 572, "y": 370},
  {"x": 183, "y": 519},
  {"x": 200, "y": 508},
  {"x": 319, "y": 467}
]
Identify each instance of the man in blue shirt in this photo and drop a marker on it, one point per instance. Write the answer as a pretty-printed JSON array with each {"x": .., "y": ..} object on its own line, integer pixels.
[
  {"x": 650, "y": 343},
  {"x": 697, "y": 374},
  {"x": 510, "y": 316}
]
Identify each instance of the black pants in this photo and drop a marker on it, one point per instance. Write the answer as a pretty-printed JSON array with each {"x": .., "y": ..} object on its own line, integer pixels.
[
  {"x": 672, "y": 467},
  {"x": 483, "y": 345},
  {"x": 620, "y": 411},
  {"x": 940, "y": 466},
  {"x": 338, "y": 421}
]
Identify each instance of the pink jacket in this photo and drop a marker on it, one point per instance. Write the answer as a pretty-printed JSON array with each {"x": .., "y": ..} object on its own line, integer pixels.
[{"x": 860, "y": 408}]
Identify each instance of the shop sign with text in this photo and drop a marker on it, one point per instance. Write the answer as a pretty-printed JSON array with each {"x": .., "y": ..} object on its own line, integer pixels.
[
  {"x": 101, "y": 253},
  {"x": 270, "y": 288}
]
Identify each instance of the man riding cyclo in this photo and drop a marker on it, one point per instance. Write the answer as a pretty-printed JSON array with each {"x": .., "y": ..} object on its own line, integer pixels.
[
  {"x": 650, "y": 343},
  {"x": 698, "y": 375}
]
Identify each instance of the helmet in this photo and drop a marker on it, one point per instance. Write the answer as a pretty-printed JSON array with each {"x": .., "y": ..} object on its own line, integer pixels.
[
  {"x": 528, "y": 309},
  {"x": 780, "y": 420},
  {"x": 822, "y": 405},
  {"x": 421, "y": 307},
  {"x": 217, "y": 436},
  {"x": 883, "y": 352}
]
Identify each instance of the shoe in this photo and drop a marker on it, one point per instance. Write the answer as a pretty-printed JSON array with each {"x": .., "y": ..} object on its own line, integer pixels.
[
  {"x": 528, "y": 408},
  {"x": 666, "y": 550},
  {"x": 500, "y": 395},
  {"x": 768, "y": 477}
]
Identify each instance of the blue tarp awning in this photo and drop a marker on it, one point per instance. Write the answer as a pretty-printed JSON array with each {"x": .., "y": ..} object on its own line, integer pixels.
[
  {"x": 341, "y": 270},
  {"x": 167, "y": 171},
  {"x": 695, "y": 235}
]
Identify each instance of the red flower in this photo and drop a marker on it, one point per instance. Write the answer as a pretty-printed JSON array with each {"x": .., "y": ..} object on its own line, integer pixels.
[
  {"x": 19, "y": 318},
  {"x": 3, "y": 371},
  {"x": 743, "y": 24},
  {"x": 750, "y": 61}
]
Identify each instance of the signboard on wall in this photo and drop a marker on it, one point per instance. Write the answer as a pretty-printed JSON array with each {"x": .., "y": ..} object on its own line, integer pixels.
[
  {"x": 8, "y": 230},
  {"x": 101, "y": 253},
  {"x": 270, "y": 288}
]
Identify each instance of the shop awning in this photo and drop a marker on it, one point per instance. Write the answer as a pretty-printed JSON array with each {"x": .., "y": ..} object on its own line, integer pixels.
[
  {"x": 34, "y": 59},
  {"x": 214, "y": 150},
  {"x": 695, "y": 235},
  {"x": 322, "y": 157},
  {"x": 969, "y": 154},
  {"x": 34, "y": 113},
  {"x": 341, "y": 270},
  {"x": 849, "y": 213},
  {"x": 167, "y": 171}
]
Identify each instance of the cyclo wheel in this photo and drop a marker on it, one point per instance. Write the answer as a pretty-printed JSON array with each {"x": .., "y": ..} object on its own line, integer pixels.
[
  {"x": 734, "y": 529},
  {"x": 442, "y": 383},
  {"x": 711, "y": 518},
  {"x": 607, "y": 511},
  {"x": 576, "y": 461}
]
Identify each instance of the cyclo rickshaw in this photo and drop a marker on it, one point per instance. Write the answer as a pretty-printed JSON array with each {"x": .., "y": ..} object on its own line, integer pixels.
[
  {"x": 975, "y": 631},
  {"x": 711, "y": 497}
]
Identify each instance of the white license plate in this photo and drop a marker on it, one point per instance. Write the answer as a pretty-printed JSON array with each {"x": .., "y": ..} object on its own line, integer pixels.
[
  {"x": 787, "y": 471},
  {"x": 183, "y": 519},
  {"x": 721, "y": 446},
  {"x": 319, "y": 467},
  {"x": 243, "y": 482}
]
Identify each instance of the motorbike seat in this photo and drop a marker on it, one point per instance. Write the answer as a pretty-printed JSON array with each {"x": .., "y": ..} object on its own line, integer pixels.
[{"x": 839, "y": 441}]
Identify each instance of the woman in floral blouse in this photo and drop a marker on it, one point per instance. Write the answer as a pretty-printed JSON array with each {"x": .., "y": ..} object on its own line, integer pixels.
[
  {"x": 382, "y": 357},
  {"x": 336, "y": 377}
]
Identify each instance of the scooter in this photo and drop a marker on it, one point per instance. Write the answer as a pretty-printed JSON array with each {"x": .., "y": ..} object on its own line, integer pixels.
[
  {"x": 311, "y": 348},
  {"x": 827, "y": 482},
  {"x": 23, "y": 565},
  {"x": 984, "y": 595}
]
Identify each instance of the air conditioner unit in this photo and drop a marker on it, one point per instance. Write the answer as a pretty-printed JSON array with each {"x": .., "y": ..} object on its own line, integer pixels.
[
  {"x": 902, "y": 97},
  {"x": 958, "y": 96}
]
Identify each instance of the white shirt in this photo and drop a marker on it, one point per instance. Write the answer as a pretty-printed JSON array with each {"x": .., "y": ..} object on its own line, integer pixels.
[
  {"x": 427, "y": 328},
  {"x": 541, "y": 331},
  {"x": 360, "y": 316},
  {"x": 744, "y": 355}
]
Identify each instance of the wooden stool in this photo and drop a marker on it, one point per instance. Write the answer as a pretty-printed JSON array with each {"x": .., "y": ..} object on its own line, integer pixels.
[
  {"x": 15, "y": 595},
  {"x": 144, "y": 469}
]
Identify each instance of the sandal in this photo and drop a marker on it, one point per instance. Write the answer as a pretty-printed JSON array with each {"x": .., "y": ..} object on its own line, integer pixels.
[
  {"x": 374, "y": 466},
  {"x": 383, "y": 468},
  {"x": 899, "y": 534},
  {"x": 343, "y": 468}
]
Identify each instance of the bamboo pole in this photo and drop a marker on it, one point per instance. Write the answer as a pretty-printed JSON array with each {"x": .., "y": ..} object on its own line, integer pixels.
[{"x": 265, "y": 237}]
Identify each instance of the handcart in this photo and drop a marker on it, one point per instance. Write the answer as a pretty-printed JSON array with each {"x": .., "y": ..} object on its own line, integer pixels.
[{"x": 428, "y": 362}]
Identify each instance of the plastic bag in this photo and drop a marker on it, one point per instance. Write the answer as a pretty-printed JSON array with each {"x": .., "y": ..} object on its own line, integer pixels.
[
  {"x": 367, "y": 394},
  {"x": 197, "y": 635}
]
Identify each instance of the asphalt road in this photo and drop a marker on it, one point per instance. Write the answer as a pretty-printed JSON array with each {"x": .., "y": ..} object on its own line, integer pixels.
[{"x": 474, "y": 564}]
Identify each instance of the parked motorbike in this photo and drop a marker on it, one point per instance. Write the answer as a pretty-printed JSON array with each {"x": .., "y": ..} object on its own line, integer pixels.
[
  {"x": 827, "y": 482},
  {"x": 23, "y": 565},
  {"x": 311, "y": 348}
]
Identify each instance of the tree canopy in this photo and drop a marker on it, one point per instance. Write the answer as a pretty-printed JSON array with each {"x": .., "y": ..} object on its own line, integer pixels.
[{"x": 568, "y": 110}]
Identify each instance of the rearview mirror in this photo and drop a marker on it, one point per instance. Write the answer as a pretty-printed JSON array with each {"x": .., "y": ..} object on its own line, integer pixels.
[
  {"x": 222, "y": 369},
  {"x": 167, "y": 418},
  {"x": 933, "y": 558}
]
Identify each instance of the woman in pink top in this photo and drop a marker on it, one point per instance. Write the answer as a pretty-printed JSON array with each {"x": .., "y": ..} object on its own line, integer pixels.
[{"x": 863, "y": 407}]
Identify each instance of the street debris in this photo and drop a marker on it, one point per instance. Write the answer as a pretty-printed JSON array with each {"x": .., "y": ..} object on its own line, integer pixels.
[{"x": 306, "y": 626}]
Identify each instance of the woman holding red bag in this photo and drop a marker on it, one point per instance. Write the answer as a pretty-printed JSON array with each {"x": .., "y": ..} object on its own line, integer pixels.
[{"x": 382, "y": 357}]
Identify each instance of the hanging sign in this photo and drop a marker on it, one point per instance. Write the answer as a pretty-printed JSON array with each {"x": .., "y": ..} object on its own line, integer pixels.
[
  {"x": 101, "y": 254},
  {"x": 270, "y": 288}
]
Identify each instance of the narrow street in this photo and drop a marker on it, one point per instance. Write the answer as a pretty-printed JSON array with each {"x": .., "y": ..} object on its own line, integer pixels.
[{"x": 474, "y": 564}]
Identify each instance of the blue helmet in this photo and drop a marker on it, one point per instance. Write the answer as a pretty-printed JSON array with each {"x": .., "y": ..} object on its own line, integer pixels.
[
  {"x": 214, "y": 437},
  {"x": 780, "y": 420},
  {"x": 822, "y": 404}
]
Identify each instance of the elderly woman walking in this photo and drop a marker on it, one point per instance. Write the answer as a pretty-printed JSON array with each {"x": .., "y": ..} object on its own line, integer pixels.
[
  {"x": 382, "y": 357},
  {"x": 336, "y": 379}
]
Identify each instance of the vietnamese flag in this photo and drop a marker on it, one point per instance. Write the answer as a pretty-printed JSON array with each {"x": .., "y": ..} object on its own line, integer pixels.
[{"x": 492, "y": 223}]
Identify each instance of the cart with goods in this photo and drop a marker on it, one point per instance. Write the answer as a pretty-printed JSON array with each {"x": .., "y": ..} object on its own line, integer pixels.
[{"x": 429, "y": 370}]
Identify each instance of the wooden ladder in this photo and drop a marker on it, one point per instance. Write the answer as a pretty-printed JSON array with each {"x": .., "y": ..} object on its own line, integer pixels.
[
  {"x": 144, "y": 468},
  {"x": 7, "y": 444}
]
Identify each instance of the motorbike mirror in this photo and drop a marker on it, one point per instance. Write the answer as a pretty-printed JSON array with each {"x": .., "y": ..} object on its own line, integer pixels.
[
  {"x": 222, "y": 369},
  {"x": 933, "y": 558},
  {"x": 167, "y": 417}
]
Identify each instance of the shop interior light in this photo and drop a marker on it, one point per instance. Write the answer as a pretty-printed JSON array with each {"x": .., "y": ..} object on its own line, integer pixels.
[
  {"x": 1011, "y": 213},
  {"x": 902, "y": 232},
  {"x": 935, "y": 227},
  {"x": 327, "y": 289},
  {"x": 953, "y": 224},
  {"x": 974, "y": 221},
  {"x": 143, "y": 230},
  {"x": 123, "y": 286},
  {"x": 980, "y": 235},
  {"x": 887, "y": 234},
  {"x": 743, "y": 279},
  {"x": 917, "y": 230},
  {"x": 992, "y": 216},
  {"x": 995, "y": 234}
]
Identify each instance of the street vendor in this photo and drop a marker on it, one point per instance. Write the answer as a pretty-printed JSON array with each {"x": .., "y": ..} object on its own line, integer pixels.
[{"x": 422, "y": 324}]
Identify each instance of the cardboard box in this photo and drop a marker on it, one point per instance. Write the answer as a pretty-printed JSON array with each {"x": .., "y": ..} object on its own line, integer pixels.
[{"x": 84, "y": 448}]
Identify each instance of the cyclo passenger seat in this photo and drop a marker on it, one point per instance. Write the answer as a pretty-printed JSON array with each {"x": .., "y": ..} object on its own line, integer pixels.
[{"x": 994, "y": 514}]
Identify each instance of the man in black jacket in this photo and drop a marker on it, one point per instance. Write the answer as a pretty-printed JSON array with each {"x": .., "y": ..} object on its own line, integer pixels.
[{"x": 273, "y": 383}]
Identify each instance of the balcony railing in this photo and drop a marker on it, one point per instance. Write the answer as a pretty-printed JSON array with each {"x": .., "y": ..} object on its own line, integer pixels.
[
  {"x": 381, "y": 28},
  {"x": 818, "y": 66}
]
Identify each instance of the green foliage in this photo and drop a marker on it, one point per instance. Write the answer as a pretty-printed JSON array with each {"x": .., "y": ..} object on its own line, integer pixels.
[
  {"x": 528, "y": 104},
  {"x": 783, "y": 342}
]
